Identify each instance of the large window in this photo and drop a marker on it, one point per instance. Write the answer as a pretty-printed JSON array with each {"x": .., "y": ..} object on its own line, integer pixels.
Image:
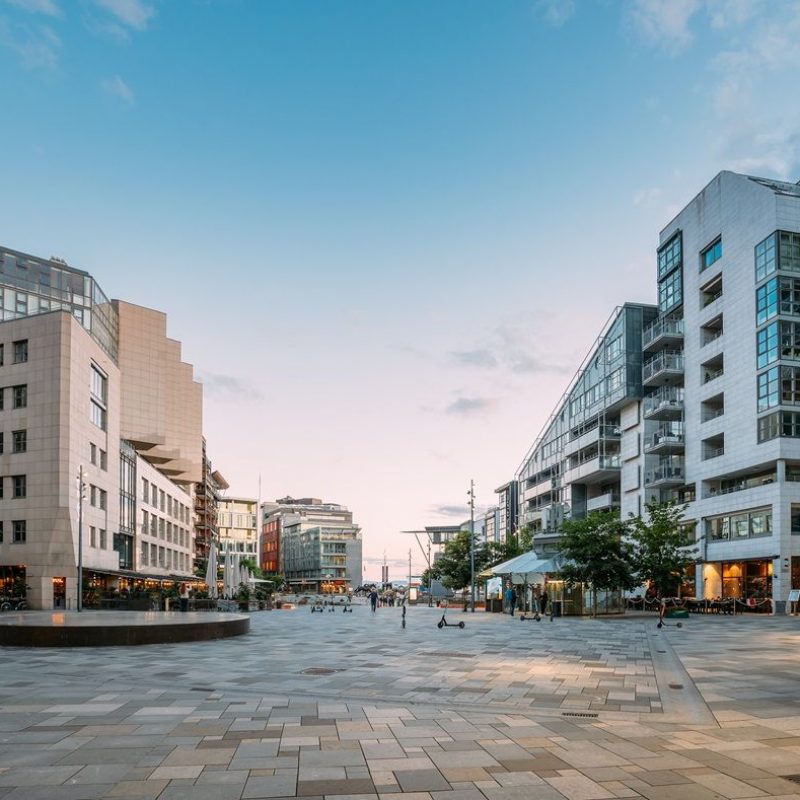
[
  {"x": 768, "y": 391},
  {"x": 20, "y": 529},
  {"x": 20, "y": 396},
  {"x": 670, "y": 256},
  {"x": 711, "y": 254},
  {"x": 767, "y": 345},
  {"x": 789, "y": 258},
  {"x": 779, "y": 424},
  {"x": 790, "y": 340},
  {"x": 790, "y": 296},
  {"x": 790, "y": 386},
  {"x": 766, "y": 257},
  {"x": 742, "y": 525},
  {"x": 21, "y": 351},
  {"x": 766, "y": 301},
  {"x": 19, "y": 441},
  {"x": 670, "y": 292}
]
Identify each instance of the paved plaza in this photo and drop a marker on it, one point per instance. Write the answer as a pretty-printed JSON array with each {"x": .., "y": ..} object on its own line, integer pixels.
[{"x": 354, "y": 706}]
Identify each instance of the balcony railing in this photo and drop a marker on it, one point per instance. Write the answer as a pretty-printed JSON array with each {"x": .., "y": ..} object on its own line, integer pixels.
[
  {"x": 664, "y": 400},
  {"x": 672, "y": 362},
  {"x": 663, "y": 439},
  {"x": 667, "y": 327},
  {"x": 712, "y": 374},
  {"x": 670, "y": 471}
]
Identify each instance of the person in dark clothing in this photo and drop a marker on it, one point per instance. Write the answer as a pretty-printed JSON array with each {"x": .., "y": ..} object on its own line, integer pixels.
[
  {"x": 513, "y": 599},
  {"x": 544, "y": 601},
  {"x": 373, "y": 598}
]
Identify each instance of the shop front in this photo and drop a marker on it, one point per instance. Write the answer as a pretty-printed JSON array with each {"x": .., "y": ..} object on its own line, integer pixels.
[{"x": 748, "y": 582}]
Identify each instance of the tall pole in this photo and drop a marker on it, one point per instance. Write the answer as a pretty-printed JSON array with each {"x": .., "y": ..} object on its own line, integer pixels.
[
  {"x": 81, "y": 493},
  {"x": 409, "y": 569},
  {"x": 471, "y": 494}
]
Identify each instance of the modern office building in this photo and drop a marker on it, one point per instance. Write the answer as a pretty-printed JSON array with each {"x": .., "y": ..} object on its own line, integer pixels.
[
  {"x": 94, "y": 395},
  {"x": 319, "y": 544},
  {"x": 238, "y": 526},
  {"x": 697, "y": 400},
  {"x": 508, "y": 510}
]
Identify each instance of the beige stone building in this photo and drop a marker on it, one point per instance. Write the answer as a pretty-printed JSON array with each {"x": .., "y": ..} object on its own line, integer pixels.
[
  {"x": 238, "y": 526},
  {"x": 96, "y": 389}
]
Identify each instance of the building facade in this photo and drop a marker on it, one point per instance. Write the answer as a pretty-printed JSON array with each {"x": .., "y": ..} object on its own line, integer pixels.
[
  {"x": 703, "y": 411},
  {"x": 319, "y": 545},
  {"x": 89, "y": 404},
  {"x": 238, "y": 526}
]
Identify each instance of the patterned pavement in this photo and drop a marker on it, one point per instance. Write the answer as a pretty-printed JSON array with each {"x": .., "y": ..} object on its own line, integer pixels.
[{"x": 353, "y": 706}]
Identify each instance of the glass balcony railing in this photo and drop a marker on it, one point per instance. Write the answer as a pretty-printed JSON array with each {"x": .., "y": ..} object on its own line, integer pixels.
[
  {"x": 668, "y": 327},
  {"x": 663, "y": 362},
  {"x": 668, "y": 399},
  {"x": 669, "y": 471}
]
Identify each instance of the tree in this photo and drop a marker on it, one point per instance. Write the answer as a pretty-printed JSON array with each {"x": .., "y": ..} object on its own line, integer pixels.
[
  {"x": 454, "y": 563},
  {"x": 661, "y": 552},
  {"x": 597, "y": 553},
  {"x": 434, "y": 573}
]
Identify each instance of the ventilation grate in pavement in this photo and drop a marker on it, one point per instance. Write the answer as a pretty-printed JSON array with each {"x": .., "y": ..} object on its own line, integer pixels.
[{"x": 578, "y": 714}]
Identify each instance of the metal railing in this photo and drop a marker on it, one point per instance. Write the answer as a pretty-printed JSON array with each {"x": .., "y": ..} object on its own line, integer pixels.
[
  {"x": 663, "y": 361},
  {"x": 668, "y": 325}
]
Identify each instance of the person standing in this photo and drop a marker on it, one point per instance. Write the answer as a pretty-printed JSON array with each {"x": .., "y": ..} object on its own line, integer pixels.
[
  {"x": 513, "y": 598},
  {"x": 545, "y": 600},
  {"x": 373, "y": 598},
  {"x": 537, "y": 602},
  {"x": 184, "y": 594}
]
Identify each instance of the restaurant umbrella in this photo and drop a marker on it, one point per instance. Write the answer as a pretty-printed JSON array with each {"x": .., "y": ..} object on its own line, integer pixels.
[{"x": 211, "y": 571}]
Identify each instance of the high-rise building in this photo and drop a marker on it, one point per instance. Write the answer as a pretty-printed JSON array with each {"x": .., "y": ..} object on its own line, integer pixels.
[
  {"x": 90, "y": 398},
  {"x": 238, "y": 526},
  {"x": 695, "y": 400}
]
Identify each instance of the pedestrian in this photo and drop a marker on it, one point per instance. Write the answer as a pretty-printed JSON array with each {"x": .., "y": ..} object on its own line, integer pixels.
[
  {"x": 184, "y": 597},
  {"x": 513, "y": 599},
  {"x": 373, "y": 598},
  {"x": 544, "y": 600},
  {"x": 537, "y": 601}
]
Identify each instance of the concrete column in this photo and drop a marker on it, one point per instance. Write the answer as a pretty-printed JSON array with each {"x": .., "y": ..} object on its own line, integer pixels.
[
  {"x": 40, "y": 591},
  {"x": 782, "y": 547}
]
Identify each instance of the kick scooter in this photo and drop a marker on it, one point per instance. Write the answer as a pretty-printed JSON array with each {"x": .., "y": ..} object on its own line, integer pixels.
[{"x": 443, "y": 623}]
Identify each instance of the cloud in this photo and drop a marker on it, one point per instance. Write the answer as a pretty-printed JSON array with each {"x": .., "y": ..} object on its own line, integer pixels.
[
  {"x": 475, "y": 358},
  {"x": 218, "y": 385},
  {"x": 133, "y": 14},
  {"x": 461, "y": 512},
  {"x": 116, "y": 87},
  {"x": 46, "y": 7},
  {"x": 37, "y": 48},
  {"x": 556, "y": 12},
  {"x": 647, "y": 197},
  {"x": 664, "y": 23},
  {"x": 471, "y": 406}
]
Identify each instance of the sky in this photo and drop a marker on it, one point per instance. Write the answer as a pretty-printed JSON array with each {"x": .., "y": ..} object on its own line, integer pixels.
[{"x": 386, "y": 233}]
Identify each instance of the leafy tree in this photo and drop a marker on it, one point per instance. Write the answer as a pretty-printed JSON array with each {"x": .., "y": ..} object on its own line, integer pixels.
[
  {"x": 454, "y": 563},
  {"x": 597, "y": 553},
  {"x": 661, "y": 552},
  {"x": 434, "y": 573}
]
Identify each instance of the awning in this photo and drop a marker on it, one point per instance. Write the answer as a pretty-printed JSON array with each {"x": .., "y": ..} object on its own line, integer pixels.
[{"x": 528, "y": 564}]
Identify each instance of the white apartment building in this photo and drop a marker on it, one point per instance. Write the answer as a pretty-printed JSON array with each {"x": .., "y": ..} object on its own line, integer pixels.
[
  {"x": 706, "y": 411},
  {"x": 238, "y": 526}
]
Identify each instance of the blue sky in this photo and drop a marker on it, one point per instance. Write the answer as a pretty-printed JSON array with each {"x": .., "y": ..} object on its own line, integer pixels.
[{"x": 386, "y": 232}]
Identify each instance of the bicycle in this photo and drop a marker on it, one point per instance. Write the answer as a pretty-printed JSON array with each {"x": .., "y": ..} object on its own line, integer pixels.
[{"x": 14, "y": 604}]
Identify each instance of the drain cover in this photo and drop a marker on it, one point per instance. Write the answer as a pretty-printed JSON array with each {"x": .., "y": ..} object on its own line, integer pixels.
[{"x": 676, "y": 686}]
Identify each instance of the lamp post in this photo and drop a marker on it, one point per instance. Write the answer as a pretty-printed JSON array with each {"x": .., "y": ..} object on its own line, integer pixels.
[
  {"x": 81, "y": 496},
  {"x": 471, "y": 495}
]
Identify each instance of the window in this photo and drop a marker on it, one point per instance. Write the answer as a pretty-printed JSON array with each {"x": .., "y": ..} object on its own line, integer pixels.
[
  {"x": 145, "y": 490},
  {"x": 20, "y": 396},
  {"x": 19, "y": 441},
  {"x": 93, "y": 536},
  {"x": 99, "y": 397},
  {"x": 790, "y": 296},
  {"x": 93, "y": 453},
  {"x": 670, "y": 292},
  {"x": 154, "y": 496},
  {"x": 145, "y": 522},
  {"x": 20, "y": 484},
  {"x": 92, "y": 496},
  {"x": 1, "y": 442},
  {"x": 143, "y": 554},
  {"x": 711, "y": 254},
  {"x": 1, "y": 524},
  {"x": 614, "y": 348},
  {"x": 790, "y": 340},
  {"x": 790, "y": 385},
  {"x": 1, "y": 360},
  {"x": 153, "y": 555},
  {"x": 615, "y": 380},
  {"x": 779, "y": 424},
  {"x": 739, "y": 526},
  {"x": 161, "y": 528},
  {"x": 766, "y": 260},
  {"x": 768, "y": 389},
  {"x": 789, "y": 257},
  {"x": 795, "y": 521},
  {"x": 21, "y": 351},
  {"x": 20, "y": 534},
  {"x": 103, "y": 539},
  {"x": 744, "y": 525},
  {"x": 670, "y": 255},
  {"x": 163, "y": 503},
  {"x": 766, "y": 301},
  {"x": 103, "y": 460},
  {"x": 103, "y": 498},
  {"x": 767, "y": 345},
  {"x": 761, "y": 523},
  {"x": 2, "y": 395},
  {"x": 1, "y": 488}
]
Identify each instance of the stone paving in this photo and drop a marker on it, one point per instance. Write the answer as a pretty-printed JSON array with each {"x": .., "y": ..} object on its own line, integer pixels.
[{"x": 354, "y": 707}]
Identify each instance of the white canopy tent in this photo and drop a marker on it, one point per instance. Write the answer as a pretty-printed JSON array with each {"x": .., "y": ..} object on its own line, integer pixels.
[
  {"x": 528, "y": 568},
  {"x": 211, "y": 572}
]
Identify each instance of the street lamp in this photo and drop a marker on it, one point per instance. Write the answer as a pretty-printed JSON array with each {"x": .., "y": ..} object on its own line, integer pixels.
[
  {"x": 471, "y": 495},
  {"x": 81, "y": 496}
]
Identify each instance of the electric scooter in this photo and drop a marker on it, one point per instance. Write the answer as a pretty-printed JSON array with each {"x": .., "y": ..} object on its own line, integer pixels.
[{"x": 443, "y": 623}]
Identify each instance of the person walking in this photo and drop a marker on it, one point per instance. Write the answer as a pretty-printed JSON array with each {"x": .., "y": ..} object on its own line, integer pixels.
[
  {"x": 545, "y": 600},
  {"x": 513, "y": 598},
  {"x": 537, "y": 602},
  {"x": 373, "y": 598},
  {"x": 184, "y": 594}
]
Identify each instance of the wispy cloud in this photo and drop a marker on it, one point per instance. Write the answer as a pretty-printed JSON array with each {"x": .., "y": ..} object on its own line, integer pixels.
[
  {"x": 664, "y": 23},
  {"x": 451, "y": 511},
  {"x": 37, "y": 48},
  {"x": 46, "y": 7},
  {"x": 133, "y": 14},
  {"x": 116, "y": 87},
  {"x": 219, "y": 385},
  {"x": 556, "y": 12},
  {"x": 475, "y": 358},
  {"x": 471, "y": 406},
  {"x": 647, "y": 197}
]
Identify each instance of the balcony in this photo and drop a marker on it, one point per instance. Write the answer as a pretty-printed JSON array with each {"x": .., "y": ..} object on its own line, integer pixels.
[
  {"x": 603, "y": 501},
  {"x": 670, "y": 471},
  {"x": 663, "y": 332},
  {"x": 663, "y": 369},
  {"x": 580, "y": 440},
  {"x": 665, "y": 441},
  {"x": 594, "y": 469},
  {"x": 665, "y": 404}
]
